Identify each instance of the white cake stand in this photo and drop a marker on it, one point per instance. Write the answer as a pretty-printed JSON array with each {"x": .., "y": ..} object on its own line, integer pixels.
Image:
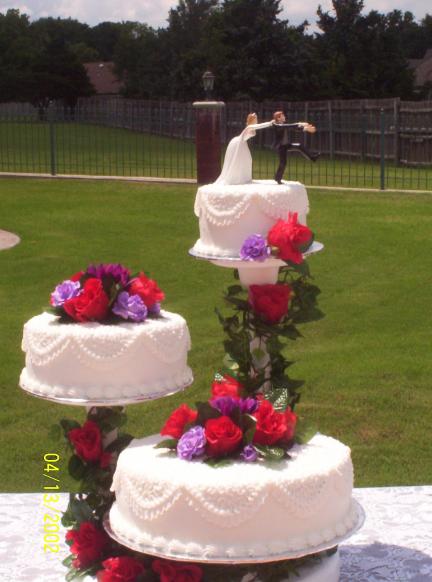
[
  {"x": 325, "y": 570},
  {"x": 253, "y": 272},
  {"x": 107, "y": 402}
]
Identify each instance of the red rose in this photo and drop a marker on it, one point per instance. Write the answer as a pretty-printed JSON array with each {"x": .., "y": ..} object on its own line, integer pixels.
[
  {"x": 147, "y": 289},
  {"x": 223, "y": 436},
  {"x": 270, "y": 301},
  {"x": 291, "y": 421},
  {"x": 227, "y": 386},
  {"x": 87, "y": 441},
  {"x": 176, "y": 572},
  {"x": 91, "y": 305},
  {"x": 121, "y": 569},
  {"x": 89, "y": 544},
  {"x": 288, "y": 236},
  {"x": 77, "y": 276},
  {"x": 271, "y": 426},
  {"x": 176, "y": 423}
]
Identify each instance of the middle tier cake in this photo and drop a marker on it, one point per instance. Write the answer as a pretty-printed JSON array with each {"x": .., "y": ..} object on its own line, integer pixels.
[
  {"x": 188, "y": 509},
  {"x": 98, "y": 362}
]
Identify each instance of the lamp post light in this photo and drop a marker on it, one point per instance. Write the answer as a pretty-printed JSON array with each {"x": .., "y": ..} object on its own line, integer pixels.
[
  {"x": 208, "y": 133},
  {"x": 208, "y": 83}
]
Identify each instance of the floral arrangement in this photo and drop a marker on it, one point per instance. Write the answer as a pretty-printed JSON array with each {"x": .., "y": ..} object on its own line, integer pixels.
[
  {"x": 106, "y": 293},
  {"x": 230, "y": 425},
  {"x": 286, "y": 240}
]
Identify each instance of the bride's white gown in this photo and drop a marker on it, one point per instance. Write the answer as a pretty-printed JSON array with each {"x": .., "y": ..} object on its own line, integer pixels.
[{"x": 237, "y": 166}]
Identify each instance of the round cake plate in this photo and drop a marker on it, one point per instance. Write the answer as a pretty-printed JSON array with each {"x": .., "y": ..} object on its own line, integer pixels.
[
  {"x": 107, "y": 401},
  {"x": 289, "y": 555},
  {"x": 235, "y": 262}
]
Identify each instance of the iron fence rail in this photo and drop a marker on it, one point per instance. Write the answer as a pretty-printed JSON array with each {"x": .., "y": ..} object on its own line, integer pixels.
[{"x": 368, "y": 143}]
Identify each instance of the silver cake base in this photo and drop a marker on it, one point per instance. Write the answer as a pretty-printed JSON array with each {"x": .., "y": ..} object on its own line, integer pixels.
[
  {"x": 107, "y": 401},
  {"x": 288, "y": 555},
  {"x": 236, "y": 261}
]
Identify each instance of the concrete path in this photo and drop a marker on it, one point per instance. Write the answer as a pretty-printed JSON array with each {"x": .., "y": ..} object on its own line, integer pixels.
[{"x": 8, "y": 240}]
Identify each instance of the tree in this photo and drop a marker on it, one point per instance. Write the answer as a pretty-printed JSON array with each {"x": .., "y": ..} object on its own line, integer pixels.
[
  {"x": 104, "y": 38},
  {"x": 57, "y": 74},
  {"x": 361, "y": 55},
  {"x": 141, "y": 62},
  {"x": 15, "y": 55}
]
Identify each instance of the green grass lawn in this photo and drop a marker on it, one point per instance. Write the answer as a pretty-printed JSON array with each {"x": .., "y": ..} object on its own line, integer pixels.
[
  {"x": 367, "y": 364},
  {"x": 98, "y": 150}
]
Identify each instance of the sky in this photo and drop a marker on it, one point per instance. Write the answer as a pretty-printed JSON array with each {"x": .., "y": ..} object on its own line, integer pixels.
[{"x": 155, "y": 12}]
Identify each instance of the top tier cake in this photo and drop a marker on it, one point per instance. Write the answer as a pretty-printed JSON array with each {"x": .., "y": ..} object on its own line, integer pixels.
[{"x": 228, "y": 214}]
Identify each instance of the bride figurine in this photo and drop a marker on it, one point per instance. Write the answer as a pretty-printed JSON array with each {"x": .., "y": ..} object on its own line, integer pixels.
[{"x": 237, "y": 166}]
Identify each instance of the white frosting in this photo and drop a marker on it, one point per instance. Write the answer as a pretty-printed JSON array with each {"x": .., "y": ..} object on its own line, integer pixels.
[
  {"x": 244, "y": 510},
  {"x": 93, "y": 361},
  {"x": 229, "y": 214}
]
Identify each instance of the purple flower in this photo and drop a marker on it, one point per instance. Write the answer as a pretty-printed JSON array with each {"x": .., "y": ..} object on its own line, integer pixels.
[
  {"x": 119, "y": 273},
  {"x": 255, "y": 248},
  {"x": 249, "y": 454},
  {"x": 248, "y": 405},
  {"x": 225, "y": 404},
  {"x": 192, "y": 443},
  {"x": 65, "y": 291},
  {"x": 130, "y": 307},
  {"x": 155, "y": 309}
]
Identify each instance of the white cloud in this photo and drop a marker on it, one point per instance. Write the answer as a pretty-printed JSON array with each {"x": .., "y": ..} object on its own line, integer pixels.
[{"x": 155, "y": 12}]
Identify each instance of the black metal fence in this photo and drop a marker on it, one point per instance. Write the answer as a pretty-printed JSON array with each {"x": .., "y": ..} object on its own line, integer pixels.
[{"x": 368, "y": 143}]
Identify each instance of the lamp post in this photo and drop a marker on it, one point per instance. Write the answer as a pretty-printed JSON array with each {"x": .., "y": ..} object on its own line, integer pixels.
[
  {"x": 208, "y": 83},
  {"x": 208, "y": 133}
]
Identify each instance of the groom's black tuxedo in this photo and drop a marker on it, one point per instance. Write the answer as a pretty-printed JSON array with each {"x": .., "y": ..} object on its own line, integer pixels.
[{"x": 282, "y": 145}]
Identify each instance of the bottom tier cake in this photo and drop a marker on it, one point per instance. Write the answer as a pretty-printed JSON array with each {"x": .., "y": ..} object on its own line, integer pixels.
[{"x": 241, "y": 512}]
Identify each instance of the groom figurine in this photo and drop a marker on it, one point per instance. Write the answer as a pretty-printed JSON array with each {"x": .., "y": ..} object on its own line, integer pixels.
[{"x": 282, "y": 144}]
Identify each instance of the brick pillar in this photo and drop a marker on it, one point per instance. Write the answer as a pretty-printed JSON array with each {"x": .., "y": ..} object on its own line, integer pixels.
[{"x": 208, "y": 140}]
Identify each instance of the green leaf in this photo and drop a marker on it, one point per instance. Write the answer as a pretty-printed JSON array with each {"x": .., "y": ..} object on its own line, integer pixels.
[
  {"x": 289, "y": 331},
  {"x": 54, "y": 310},
  {"x": 305, "y": 431},
  {"x": 248, "y": 436},
  {"x": 55, "y": 432},
  {"x": 234, "y": 290},
  {"x": 81, "y": 510},
  {"x": 259, "y": 354},
  {"x": 230, "y": 363},
  {"x": 76, "y": 468},
  {"x": 302, "y": 268},
  {"x": 241, "y": 304},
  {"x": 216, "y": 463},
  {"x": 248, "y": 422},
  {"x": 270, "y": 453},
  {"x": 167, "y": 444},
  {"x": 121, "y": 442},
  {"x": 67, "y": 562},
  {"x": 69, "y": 425},
  {"x": 279, "y": 397},
  {"x": 206, "y": 412}
]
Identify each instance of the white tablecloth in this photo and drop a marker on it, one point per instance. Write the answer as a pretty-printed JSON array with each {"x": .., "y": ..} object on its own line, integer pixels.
[{"x": 394, "y": 545}]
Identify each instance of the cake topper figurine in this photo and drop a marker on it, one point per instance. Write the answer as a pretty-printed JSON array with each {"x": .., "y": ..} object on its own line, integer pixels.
[
  {"x": 237, "y": 166},
  {"x": 282, "y": 144}
]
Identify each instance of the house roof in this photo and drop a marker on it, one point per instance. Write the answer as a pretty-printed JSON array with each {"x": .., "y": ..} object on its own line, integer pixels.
[
  {"x": 422, "y": 69},
  {"x": 103, "y": 78}
]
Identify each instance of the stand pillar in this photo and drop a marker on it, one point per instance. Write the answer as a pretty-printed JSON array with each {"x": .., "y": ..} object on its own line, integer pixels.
[{"x": 208, "y": 140}]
